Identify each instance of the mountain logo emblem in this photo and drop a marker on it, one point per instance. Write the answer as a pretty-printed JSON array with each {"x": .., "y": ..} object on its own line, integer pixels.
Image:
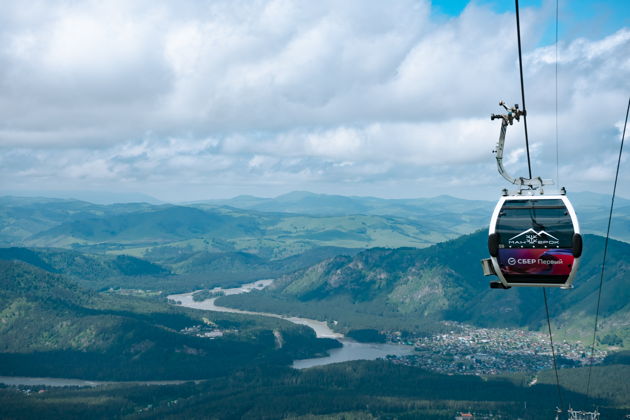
[{"x": 532, "y": 237}]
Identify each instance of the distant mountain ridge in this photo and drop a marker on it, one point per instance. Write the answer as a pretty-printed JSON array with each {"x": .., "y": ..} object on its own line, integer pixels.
[
  {"x": 95, "y": 197},
  {"x": 592, "y": 209},
  {"x": 328, "y": 220},
  {"x": 303, "y": 202},
  {"x": 313, "y": 203},
  {"x": 139, "y": 229}
]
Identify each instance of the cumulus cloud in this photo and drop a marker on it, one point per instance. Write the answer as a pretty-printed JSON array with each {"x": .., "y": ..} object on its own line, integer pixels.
[{"x": 294, "y": 94}]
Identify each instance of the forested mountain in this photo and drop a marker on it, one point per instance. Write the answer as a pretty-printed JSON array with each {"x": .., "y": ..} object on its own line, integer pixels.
[
  {"x": 81, "y": 265},
  {"x": 445, "y": 282},
  {"x": 51, "y": 327},
  {"x": 22, "y": 217}
]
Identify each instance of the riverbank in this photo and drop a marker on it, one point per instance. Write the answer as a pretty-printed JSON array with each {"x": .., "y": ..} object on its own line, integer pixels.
[
  {"x": 349, "y": 350},
  {"x": 322, "y": 330}
]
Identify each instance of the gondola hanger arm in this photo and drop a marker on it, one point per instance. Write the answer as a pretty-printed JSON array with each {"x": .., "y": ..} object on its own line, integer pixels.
[{"x": 514, "y": 113}]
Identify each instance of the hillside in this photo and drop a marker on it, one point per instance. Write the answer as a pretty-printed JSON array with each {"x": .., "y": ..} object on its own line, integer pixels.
[
  {"x": 83, "y": 266},
  {"x": 444, "y": 282},
  {"x": 22, "y": 217},
  {"x": 177, "y": 272},
  {"x": 51, "y": 327}
]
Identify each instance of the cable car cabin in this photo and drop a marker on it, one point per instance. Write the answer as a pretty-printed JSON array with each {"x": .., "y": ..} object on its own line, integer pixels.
[{"x": 533, "y": 241}]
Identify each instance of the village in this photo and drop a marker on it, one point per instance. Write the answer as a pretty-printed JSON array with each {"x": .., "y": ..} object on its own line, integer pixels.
[{"x": 482, "y": 351}]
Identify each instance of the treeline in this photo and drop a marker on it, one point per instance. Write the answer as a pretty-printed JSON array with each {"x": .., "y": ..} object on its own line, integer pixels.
[
  {"x": 609, "y": 382},
  {"x": 359, "y": 389},
  {"x": 168, "y": 357}
]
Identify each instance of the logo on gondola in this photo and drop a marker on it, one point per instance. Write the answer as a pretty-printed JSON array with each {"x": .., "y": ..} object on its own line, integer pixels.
[{"x": 532, "y": 238}]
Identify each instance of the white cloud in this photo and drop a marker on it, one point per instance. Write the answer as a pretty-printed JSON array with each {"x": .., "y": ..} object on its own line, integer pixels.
[{"x": 287, "y": 91}]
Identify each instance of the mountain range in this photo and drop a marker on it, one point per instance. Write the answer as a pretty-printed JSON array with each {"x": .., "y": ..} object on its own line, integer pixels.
[
  {"x": 357, "y": 262},
  {"x": 141, "y": 229},
  {"x": 325, "y": 250},
  {"x": 271, "y": 228},
  {"x": 463, "y": 216}
]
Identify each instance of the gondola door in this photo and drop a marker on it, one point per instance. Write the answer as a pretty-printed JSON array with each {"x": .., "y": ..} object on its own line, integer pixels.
[{"x": 535, "y": 241}]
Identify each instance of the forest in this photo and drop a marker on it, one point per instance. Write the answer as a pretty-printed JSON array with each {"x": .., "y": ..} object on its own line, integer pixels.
[{"x": 359, "y": 390}]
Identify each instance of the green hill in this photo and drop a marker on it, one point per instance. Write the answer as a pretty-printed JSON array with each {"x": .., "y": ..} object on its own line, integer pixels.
[
  {"x": 83, "y": 266},
  {"x": 268, "y": 227},
  {"x": 170, "y": 230},
  {"x": 51, "y": 327},
  {"x": 154, "y": 226},
  {"x": 22, "y": 217}
]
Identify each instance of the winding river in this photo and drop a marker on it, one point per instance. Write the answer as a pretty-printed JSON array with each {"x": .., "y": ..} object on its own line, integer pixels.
[{"x": 350, "y": 350}]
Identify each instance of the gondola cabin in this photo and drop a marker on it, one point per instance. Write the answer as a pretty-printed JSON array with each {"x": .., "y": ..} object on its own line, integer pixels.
[{"x": 534, "y": 241}]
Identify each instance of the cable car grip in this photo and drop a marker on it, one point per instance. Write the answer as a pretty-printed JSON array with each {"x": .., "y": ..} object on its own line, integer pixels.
[{"x": 513, "y": 113}]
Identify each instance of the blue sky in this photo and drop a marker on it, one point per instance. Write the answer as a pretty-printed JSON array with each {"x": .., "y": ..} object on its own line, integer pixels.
[
  {"x": 591, "y": 19},
  {"x": 216, "y": 98}
]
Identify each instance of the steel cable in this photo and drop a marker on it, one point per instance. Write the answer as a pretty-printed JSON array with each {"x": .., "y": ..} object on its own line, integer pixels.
[
  {"x": 601, "y": 277},
  {"x": 529, "y": 167},
  {"x": 557, "y": 147},
  {"x": 553, "y": 351},
  {"x": 520, "y": 66}
]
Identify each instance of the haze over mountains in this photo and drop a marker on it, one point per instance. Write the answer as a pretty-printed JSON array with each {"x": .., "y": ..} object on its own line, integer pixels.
[
  {"x": 22, "y": 218},
  {"x": 96, "y": 197}
]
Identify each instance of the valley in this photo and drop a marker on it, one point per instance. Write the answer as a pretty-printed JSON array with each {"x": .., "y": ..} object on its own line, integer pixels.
[
  {"x": 87, "y": 293},
  {"x": 284, "y": 210},
  {"x": 348, "y": 351},
  {"x": 461, "y": 349}
]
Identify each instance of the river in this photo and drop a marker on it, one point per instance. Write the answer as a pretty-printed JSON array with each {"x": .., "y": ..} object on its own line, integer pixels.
[{"x": 350, "y": 350}]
